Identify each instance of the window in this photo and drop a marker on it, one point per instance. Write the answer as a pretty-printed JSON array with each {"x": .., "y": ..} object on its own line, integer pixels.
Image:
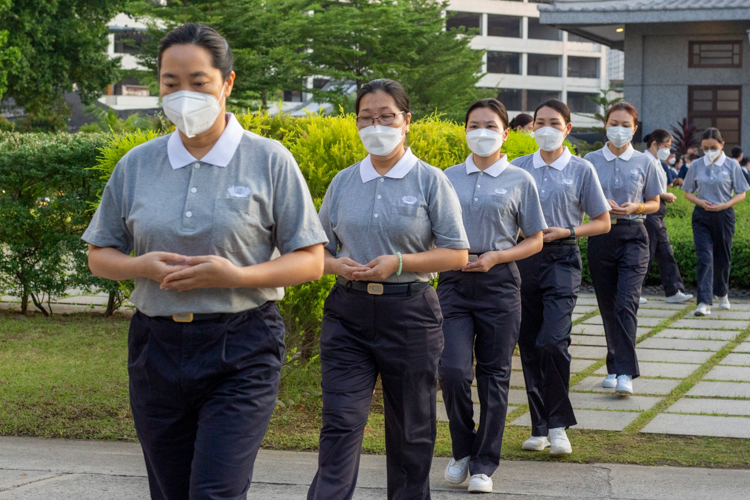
[
  {"x": 718, "y": 107},
  {"x": 468, "y": 20},
  {"x": 535, "y": 97},
  {"x": 542, "y": 31},
  {"x": 292, "y": 96},
  {"x": 579, "y": 102},
  {"x": 543, "y": 65},
  {"x": 319, "y": 83},
  {"x": 508, "y": 63},
  {"x": 583, "y": 67},
  {"x": 507, "y": 26},
  {"x": 129, "y": 41},
  {"x": 715, "y": 54},
  {"x": 512, "y": 98}
]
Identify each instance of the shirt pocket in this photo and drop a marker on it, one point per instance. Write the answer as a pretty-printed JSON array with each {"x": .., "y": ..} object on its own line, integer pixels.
[
  {"x": 233, "y": 222},
  {"x": 636, "y": 180}
]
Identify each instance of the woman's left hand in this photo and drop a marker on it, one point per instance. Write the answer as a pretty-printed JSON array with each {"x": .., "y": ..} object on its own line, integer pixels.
[
  {"x": 204, "y": 271},
  {"x": 626, "y": 208},
  {"x": 715, "y": 207},
  {"x": 555, "y": 233},
  {"x": 380, "y": 268},
  {"x": 484, "y": 263}
]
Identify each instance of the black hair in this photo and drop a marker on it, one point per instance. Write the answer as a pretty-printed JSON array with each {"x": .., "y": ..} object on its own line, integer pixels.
[
  {"x": 558, "y": 106},
  {"x": 736, "y": 152},
  {"x": 493, "y": 105},
  {"x": 744, "y": 162},
  {"x": 204, "y": 36},
  {"x": 658, "y": 135},
  {"x": 390, "y": 87},
  {"x": 520, "y": 121},
  {"x": 712, "y": 133}
]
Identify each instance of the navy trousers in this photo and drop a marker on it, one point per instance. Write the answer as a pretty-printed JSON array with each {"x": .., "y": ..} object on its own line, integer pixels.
[
  {"x": 549, "y": 291},
  {"x": 202, "y": 395},
  {"x": 660, "y": 249},
  {"x": 713, "y": 233},
  {"x": 482, "y": 314},
  {"x": 618, "y": 262},
  {"x": 399, "y": 337}
]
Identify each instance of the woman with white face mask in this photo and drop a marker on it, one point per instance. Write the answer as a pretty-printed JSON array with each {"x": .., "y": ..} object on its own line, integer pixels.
[
  {"x": 481, "y": 302},
  {"x": 393, "y": 222},
  {"x": 205, "y": 209},
  {"x": 618, "y": 260},
  {"x": 715, "y": 184},
  {"x": 568, "y": 188}
]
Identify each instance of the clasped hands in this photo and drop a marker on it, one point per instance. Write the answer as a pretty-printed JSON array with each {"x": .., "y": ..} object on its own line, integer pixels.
[
  {"x": 626, "y": 208},
  {"x": 179, "y": 272}
]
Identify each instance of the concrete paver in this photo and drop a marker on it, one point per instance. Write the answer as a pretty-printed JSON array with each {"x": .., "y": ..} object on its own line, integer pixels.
[
  {"x": 736, "y": 373},
  {"x": 660, "y": 304},
  {"x": 595, "y": 340},
  {"x": 736, "y": 359},
  {"x": 646, "y": 386},
  {"x": 710, "y": 324},
  {"x": 720, "y": 390},
  {"x": 576, "y": 365},
  {"x": 592, "y": 419},
  {"x": 678, "y": 333},
  {"x": 721, "y": 314},
  {"x": 584, "y": 400},
  {"x": 682, "y": 344},
  {"x": 581, "y": 309},
  {"x": 666, "y": 356},
  {"x": 711, "y": 406},
  {"x": 642, "y": 322},
  {"x": 743, "y": 347},
  {"x": 585, "y": 329},
  {"x": 699, "y": 425},
  {"x": 653, "y": 370},
  {"x": 655, "y": 313},
  {"x": 587, "y": 352}
]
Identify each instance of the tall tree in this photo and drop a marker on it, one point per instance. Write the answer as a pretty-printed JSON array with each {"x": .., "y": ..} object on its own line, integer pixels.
[
  {"x": 63, "y": 47},
  {"x": 9, "y": 56}
]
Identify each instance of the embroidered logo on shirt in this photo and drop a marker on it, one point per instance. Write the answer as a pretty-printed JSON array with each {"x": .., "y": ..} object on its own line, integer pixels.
[
  {"x": 239, "y": 191},
  {"x": 409, "y": 200},
  {"x": 501, "y": 191},
  {"x": 569, "y": 182}
]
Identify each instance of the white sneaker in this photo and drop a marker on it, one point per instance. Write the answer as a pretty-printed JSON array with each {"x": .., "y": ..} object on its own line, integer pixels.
[
  {"x": 480, "y": 483},
  {"x": 536, "y": 443},
  {"x": 703, "y": 310},
  {"x": 679, "y": 297},
  {"x": 457, "y": 470},
  {"x": 642, "y": 300},
  {"x": 724, "y": 302},
  {"x": 560, "y": 445},
  {"x": 610, "y": 382},
  {"x": 624, "y": 384}
]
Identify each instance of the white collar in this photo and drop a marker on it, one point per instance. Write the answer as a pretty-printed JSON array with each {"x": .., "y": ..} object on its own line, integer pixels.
[
  {"x": 558, "y": 164},
  {"x": 494, "y": 170},
  {"x": 626, "y": 155},
  {"x": 720, "y": 162},
  {"x": 367, "y": 171},
  {"x": 649, "y": 153},
  {"x": 220, "y": 155}
]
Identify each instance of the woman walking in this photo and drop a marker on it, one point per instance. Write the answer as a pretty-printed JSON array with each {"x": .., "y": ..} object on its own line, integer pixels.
[
  {"x": 715, "y": 184},
  {"x": 205, "y": 209},
  {"x": 481, "y": 303},
  {"x": 618, "y": 260},
  {"x": 393, "y": 222},
  {"x": 568, "y": 188}
]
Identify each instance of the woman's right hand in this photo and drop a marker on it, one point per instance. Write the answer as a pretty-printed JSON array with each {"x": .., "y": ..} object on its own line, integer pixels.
[
  {"x": 345, "y": 267},
  {"x": 158, "y": 265}
]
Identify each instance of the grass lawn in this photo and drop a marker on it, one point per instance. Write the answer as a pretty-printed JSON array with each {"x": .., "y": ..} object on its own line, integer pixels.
[{"x": 66, "y": 376}]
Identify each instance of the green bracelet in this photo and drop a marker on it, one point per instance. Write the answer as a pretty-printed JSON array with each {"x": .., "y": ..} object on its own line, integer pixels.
[{"x": 400, "y": 264}]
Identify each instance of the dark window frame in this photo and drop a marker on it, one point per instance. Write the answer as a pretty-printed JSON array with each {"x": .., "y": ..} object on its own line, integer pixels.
[
  {"x": 714, "y": 114},
  {"x": 735, "y": 43}
]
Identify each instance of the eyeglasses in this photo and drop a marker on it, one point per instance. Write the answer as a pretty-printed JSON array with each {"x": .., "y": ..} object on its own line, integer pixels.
[{"x": 385, "y": 119}]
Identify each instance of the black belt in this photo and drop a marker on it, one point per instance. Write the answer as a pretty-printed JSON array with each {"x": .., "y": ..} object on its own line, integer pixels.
[
  {"x": 382, "y": 288},
  {"x": 625, "y": 222},
  {"x": 193, "y": 317},
  {"x": 564, "y": 241}
]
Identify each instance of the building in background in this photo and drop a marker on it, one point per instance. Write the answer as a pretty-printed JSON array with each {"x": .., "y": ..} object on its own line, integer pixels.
[
  {"x": 684, "y": 59},
  {"x": 529, "y": 62}
]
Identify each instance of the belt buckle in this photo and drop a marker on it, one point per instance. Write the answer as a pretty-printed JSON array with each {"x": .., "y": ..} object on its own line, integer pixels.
[
  {"x": 613, "y": 221},
  {"x": 375, "y": 288},
  {"x": 473, "y": 257},
  {"x": 183, "y": 318}
]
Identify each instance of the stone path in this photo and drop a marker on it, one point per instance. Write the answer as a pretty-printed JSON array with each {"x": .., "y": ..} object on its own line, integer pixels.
[{"x": 694, "y": 371}]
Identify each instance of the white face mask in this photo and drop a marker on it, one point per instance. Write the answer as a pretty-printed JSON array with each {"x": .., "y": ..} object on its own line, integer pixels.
[
  {"x": 484, "y": 142},
  {"x": 712, "y": 154},
  {"x": 380, "y": 140},
  {"x": 663, "y": 154},
  {"x": 549, "y": 138},
  {"x": 672, "y": 161},
  {"x": 192, "y": 112},
  {"x": 619, "y": 136}
]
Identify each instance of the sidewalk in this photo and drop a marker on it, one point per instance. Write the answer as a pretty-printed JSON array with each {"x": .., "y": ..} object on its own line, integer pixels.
[{"x": 94, "y": 470}]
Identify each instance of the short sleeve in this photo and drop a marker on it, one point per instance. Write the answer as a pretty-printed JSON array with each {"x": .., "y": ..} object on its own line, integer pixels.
[
  {"x": 445, "y": 215},
  {"x": 108, "y": 228},
  {"x": 739, "y": 181},
  {"x": 530, "y": 214},
  {"x": 295, "y": 218},
  {"x": 325, "y": 220},
  {"x": 593, "y": 200},
  {"x": 689, "y": 183},
  {"x": 655, "y": 182}
]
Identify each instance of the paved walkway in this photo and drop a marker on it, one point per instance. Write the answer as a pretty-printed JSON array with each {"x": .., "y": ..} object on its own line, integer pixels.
[
  {"x": 695, "y": 373},
  {"x": 95, "y": 470}
]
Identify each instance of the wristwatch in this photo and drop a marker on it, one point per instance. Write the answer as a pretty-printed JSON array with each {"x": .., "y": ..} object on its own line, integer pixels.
[{"x": 572, "y": 232}]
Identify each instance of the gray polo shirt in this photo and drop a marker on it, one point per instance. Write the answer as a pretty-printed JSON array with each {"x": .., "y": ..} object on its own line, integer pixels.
[
  {"x": 631, "y": 177},
  {"x": 716, "y": 182},
  {"x": 495, "y": 203},
  {"x": 246, "y": 200},
  {"x": 412, "y": 209},
  {"x": 567, "y": 189}
]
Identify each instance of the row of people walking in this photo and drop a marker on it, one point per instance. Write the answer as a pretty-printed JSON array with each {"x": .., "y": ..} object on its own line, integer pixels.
[{"x": 219, "y": 220}]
